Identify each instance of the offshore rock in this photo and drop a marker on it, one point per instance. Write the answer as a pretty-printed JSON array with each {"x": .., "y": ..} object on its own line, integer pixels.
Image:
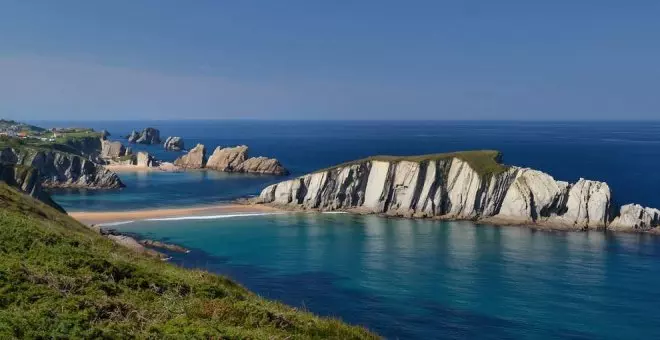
[
  {"x": 634, "y": 217},
  {"x": 455, "y": 187},
  {"x": 227, "y": 159},
  {"x": 133, "y": 137},
  {"x": 174, "y": 143},
  {"x": 235, "y": 159},
  {"x": 194, "y": 159},
  {"x": 147, "y": 136}
]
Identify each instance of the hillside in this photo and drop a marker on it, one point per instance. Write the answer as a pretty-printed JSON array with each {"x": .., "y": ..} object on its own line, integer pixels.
[{"x": 59, "y": 279}]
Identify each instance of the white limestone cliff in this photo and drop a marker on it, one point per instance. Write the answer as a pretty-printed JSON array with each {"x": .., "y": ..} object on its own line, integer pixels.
[{"x": 450, "y": 188}]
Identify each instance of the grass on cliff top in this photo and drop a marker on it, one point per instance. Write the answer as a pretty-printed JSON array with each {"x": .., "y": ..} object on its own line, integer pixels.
[
  {"x": 484, "y": 162},
  {"x": 59, "y": 279}
]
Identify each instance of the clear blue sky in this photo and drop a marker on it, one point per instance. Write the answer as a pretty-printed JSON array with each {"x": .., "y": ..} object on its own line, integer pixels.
[{"x": 133, "y": 59}]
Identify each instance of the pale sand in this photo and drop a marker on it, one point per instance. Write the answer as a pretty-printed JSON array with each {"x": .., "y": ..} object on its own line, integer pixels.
[{"x": 134, "y": 215}]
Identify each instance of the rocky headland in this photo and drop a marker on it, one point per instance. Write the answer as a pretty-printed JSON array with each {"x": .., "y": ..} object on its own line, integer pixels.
[
  {"x": 26, "y": 180},
  {"x": 472, "y": 185},
  {"x": 58, "y": 169},
  {"x": 230, "y": 159}
]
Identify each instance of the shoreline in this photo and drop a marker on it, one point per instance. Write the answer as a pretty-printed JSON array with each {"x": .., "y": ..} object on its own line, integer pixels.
[
  {"x": 163, "y": 167},
  {"x": 105, "y": 217}
]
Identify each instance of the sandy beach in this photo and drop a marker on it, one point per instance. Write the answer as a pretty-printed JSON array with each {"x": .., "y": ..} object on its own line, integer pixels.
[
  {"x": 163, "y": 167},
  {"x": 133, "y": 215}
]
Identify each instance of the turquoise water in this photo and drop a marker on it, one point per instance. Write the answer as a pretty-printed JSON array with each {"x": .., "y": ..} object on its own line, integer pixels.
[
  {"x": 416, "y": 279},
  {"x": 429, "y": 279}
]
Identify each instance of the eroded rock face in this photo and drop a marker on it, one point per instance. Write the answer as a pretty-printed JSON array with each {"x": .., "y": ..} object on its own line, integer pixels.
[
  {"x": 112, "y": 149},
  {"x": 63, "y": 170},
  {"x": 227, "y": 158},
  {"x": 26, "y": 180},
  {"x": 144, "y": 159},
  {"x": 194, "y": 159},
  {"x": 174, "y": 144},
  {"x": 262, "y": 165},
  {"x": 147, "y": 136},
  {"x": 450, "y": 188},
  {"x": 634, "y": 217}
]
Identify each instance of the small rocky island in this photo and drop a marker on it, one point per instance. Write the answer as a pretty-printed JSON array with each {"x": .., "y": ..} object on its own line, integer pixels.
[
  {"x": 147, "y": 136},
  {"x": 174, "y": 144},
  {"x": 471, "y": 185},
  {"x": 230, "y": 159}
]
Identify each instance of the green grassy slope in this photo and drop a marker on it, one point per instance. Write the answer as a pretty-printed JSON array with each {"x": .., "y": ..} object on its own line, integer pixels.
[
  {"x": 60, "y": 279},
  {"x": 484, "y": 162}
]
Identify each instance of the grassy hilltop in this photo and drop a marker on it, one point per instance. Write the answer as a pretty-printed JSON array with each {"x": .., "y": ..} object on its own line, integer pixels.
[{"x": 59, "y": 279}]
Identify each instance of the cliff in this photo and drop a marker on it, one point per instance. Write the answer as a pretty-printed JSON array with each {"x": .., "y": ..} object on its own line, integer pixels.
[
  {"x": 26, "y": 180},
  {"x": 61, "y": 279},
  {"x": 471, "y": 185},
  {"x": 231, "y": 159},
  {"x": 60, "y": 169}
]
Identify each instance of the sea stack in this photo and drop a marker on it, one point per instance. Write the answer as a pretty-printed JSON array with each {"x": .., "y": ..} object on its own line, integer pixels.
[
  {"x": 174, "y": 144},
  {"x": 147, "y": 136},
  {"x": 194, "y": 159}
]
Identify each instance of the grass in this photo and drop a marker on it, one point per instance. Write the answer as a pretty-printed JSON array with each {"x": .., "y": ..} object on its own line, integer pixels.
[
  {"x": 59, "y": 279},
  {"x": 485, "y": 162}
]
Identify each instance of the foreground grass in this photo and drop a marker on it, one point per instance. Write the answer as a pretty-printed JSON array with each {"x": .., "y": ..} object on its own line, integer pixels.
[
  {"x": 58, "y": 279},
  {"x": 484, "y": 162}
]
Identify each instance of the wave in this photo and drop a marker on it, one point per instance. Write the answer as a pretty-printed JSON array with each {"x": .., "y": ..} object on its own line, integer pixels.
[
  {"x": 211, "y": 217},
  {"x": 112, "y": 224}
]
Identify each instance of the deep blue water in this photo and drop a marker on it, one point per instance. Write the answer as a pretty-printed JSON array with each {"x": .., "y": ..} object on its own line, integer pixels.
[
  {"x": 418, "y": 279},
  {"x": 428, "y": 279},
  {"x": 624, "y": 154}
]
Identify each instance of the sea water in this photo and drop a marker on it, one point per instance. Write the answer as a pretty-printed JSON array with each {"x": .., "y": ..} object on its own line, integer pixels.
[{"x": 416, "y": 279}]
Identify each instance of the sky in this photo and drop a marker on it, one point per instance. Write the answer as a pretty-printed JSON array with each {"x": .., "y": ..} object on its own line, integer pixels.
[{"x": 307, "y": 59}]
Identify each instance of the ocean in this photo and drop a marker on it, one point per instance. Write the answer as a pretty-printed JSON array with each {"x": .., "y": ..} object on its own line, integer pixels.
[{"x": 415, "y": 279}]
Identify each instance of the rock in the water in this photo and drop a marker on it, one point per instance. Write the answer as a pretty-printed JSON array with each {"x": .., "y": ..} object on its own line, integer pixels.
[
  {"x": 194, "y": 159},
  {"x": 147, "y": 136},
  {"x": 634, "y": 217},
  {"x": 262, "y": 165},
  {"x": 133, "y": 137},
  {"x": 144, "y": 159},
  {"x": 112, "y": 149},
  {"x": 105, "y": 134},
  {"x": 450, "y": 187},
  {"x": 227, "y": 159},
  {"x": 174, "y": 143},
  {"x": 63, "y": 170}
]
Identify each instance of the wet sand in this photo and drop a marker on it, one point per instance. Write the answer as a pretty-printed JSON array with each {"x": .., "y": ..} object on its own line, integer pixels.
[{"x": 134, "y": 215}]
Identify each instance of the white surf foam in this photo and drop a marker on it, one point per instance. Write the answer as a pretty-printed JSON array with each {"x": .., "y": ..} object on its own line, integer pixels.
[
  {"x": 111, "y": 224},
  {"x": 211, "y": 217}
]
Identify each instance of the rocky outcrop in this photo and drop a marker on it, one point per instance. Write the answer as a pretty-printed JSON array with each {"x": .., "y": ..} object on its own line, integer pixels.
[
  {"x": 62, "y": 170},
  {"x": 634, "y": 217},
  {"x": 227, "y": 159},
  {"x": 144, "y": 159},
  {"x": 194, "y": 159},
  {"x": 262, "y": 165},
  {"x": 460, "y": 186},
  {"x": 174, "y": 144},
  {"x": 235, "y": 159},
  {"x": 112, "y": 149},
  {"x": 105, "y": 134},
  {"x": 26, "y": 179},
  {"x": 147, "y": 136}
]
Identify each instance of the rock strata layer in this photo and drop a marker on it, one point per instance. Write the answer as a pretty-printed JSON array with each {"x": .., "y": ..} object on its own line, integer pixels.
[
  {"x": 194, "y": 159},
  {"x": 174, "y": 144},
  {"x": 26, "y": 180},
  {"x": 456, "y": 188},
  {"x": 62, "y": 170},
  {"x": 235, "y": 159}
]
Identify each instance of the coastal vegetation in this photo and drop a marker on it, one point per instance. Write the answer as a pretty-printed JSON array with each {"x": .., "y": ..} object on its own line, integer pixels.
[
  {"x": 60, "y": 279},
  {"x": 485, "y": 162}
]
